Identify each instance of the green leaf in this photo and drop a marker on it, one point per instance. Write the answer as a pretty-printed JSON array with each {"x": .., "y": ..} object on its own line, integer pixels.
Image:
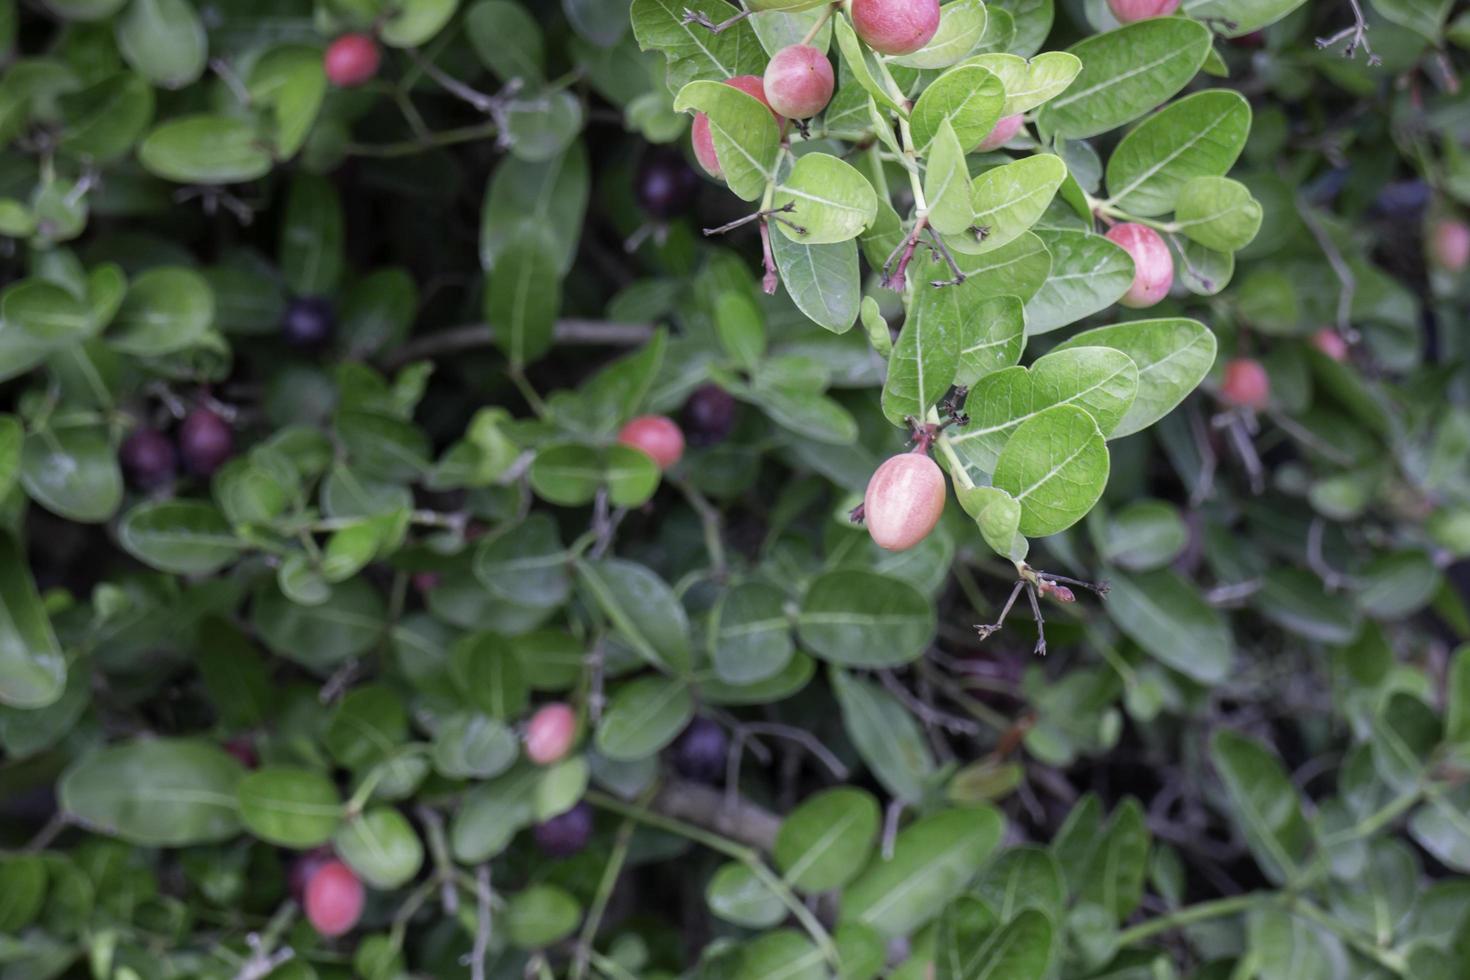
[
  {"x": 567, "y": 474},
  {"x": 925, "y": 357},
  {"x": 381, "y": 846},
  {"x": 32, "y": 667},
  {"x": 526, "y": 565},
  {"x": 289, "y": 807},
  {"x": 642, "y": 608},
  {"x": 1113, "y": 877},
  {"x": 105, "y": 119},
  {"x": 823, "y": 280},
  {"x": 541, "y": 916},
  {"x": 1164, "y": 614},
  {"x": 492, "y": 813},
  {"x": 1019, "y": 950},
  {"x": 1018, "y": 269},
  {"x": 825, "y": 842},
  {"x": 206, "y": 149},
  {"x": 311, "y": 237},
  {"x": 735, "y": 894},
  {"x": 961, "y": 25},
  {"x": 1056, "y": 466},
  {"x": 969, "y": 97},
  {"x": 1457, "y": 698},
  {"x": 320, "y": 637},
  {"x": 750, "y": 634},
  {"x": 166, "y": 310},
  {"x": 1173, "y": 356},
  {"x": 746, "y": 139},
  {"x": 163, "y": 792},
  {"x": 547, "y": 197},
  {"x": 855, "y": 58},
  {"x": 692, "y": 51},
  {"x": 1144, "y": 535},
  {"x": 792, "y": 678},
  {"x": 1025, "y": 877},
  {"x": 1029, "y": 84},
  {"x": 1236, "y": 18},
  {"x": 1266, "y": 803},
  {"x": 1008, "y": 200},
  {"x": 1099, "y": 380},
  {"x": 164, "y": 41},
  {"x": 72, "y": 472},
  {"x": 1088, "y": 273},
  {"x": 412, "y": 22},
  {"x": 863, "y": 619},
  {"x": 50, "y": 315},
  {"x": 998, "y": 516},
  {"x": 785, "y": 954},
  {"x": 523, "y": 296},
  {"x": 1219, "y": 213},
  {"x": 1201, "y": 135},
  {"x": 182, "y": 537},
  {"x": 23, "y": 887},
  {"x": 291, "y": 82},
  {"x": 885, "y": 735},
  {"x": 488, "y": 674},
  {"x": 507, "y": 40},
  {"x": 828, "y": 200},
  {"x": 947, "y": 182},
  {"x": 470, "y": 745},
  {"x": 934, "y": 859},
  {"x": 1441, "y": 828},
  {"x": 643, "y": 716},
  {"x": 1125, "y": 73}
]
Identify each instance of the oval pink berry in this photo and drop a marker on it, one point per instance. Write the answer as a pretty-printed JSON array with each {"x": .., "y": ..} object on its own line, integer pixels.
[
  {"x": 334, "y": 899},
  {"x": 549, "y": 733},
  {"x": 799, "y": 81},
  {"x": 704, "y": 140},
  {"x": 657, "y": 436},
  {"x": 351, "y": 60},
  {"x": 1330, "y": 342},
  {"x": 1002, "y": 133},
  {"x": 1449, "y": 245},
  {"x": 1128, "y": 11},
  {"x": 1153, "y": 266},
  {"x": 1246, "y": 384},
  {"x": 904, "y": 500},
  {"x": 895, "y": 26}
]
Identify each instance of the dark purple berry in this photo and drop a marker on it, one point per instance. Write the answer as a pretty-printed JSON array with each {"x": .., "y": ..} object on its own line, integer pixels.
[
  {"x": 205, "y": 442},
  {"x": 666, "y": 183},
  {"x": 700, "y": 752},
  {"x": 310, "y": 321},
  {"x": 148, "y": 458},
  {"x": 709, "y": 415},
  {"x": 565, "y": 834}
]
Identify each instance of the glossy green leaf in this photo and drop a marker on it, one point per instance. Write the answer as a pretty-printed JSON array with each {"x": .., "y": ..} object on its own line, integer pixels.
[
  {"x": 825, "y": 200},
  {"x": 825, "y": 842},
  {"x": 1056, "y": 465},
  {"x": 1164, "y": 614},
  {"x": 644, "y": 716},
  {"x": 1201, "y": 135},
  {"x": 1266, "y": 803},
  {"x": 1173, "y": 356},
  {"x": 381, "y": 846},
  {"x": 164, "y": 792},
  {"x": 1030, "y": 83},
  {"x": 863, "y": 619},
  {"x": 72, "y": 472},
  {"x": 1008, "y": 200},
  {"x": 642, "y": 608},
  {"x": 750, "y": 634},
  {"x": 744, "y": 133},
  {"x": 205, "y": 149},
  {"x": 968, "y": 96},
  {"x": 32, "y": 668},
  {"x": 296, "y": 808},
  {"x": 164, "y": 41},
  {"x": 184, "y": 537}
]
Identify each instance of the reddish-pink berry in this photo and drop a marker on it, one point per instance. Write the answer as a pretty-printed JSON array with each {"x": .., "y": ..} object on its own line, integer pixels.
[
  {"x": 304, "y": 868},
  {"x": 1127, "y": 11},
  {"x": 655, "y": 435},
  {"x": 1153, "y": 266},
  {"x": 549, "y": 733},
  {"x": 334, "y": 899},
  {"x": 895, "y": 26},
  {"x": 1246, "y": 384},
  {"x": 799, "y": 81},
  {"x": 351, "y": 60},
  {"x": 904, "y": 500},
  {"x": 704, "y": 140},
  {"x": 1449, "y": 245},
  {"x": 1002, "y": 133},
  {"x": 1330, "y": 342}
]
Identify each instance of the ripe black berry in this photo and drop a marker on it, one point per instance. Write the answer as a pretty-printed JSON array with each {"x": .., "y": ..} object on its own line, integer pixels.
[
  {"x": 700, "y": 752},
  {"x": 310, "y": 321},
  {"x": 565, "y": 834},
  {"x": 709, "y": 415},
  {"x": 666, "y": 184},
  {"x": 205, "y": 442},
  {"x": 148, "y": 459}
]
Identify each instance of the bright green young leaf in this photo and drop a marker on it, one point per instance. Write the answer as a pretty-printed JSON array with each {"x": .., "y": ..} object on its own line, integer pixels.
[
  {"x": 163, "y": 40},
  {"x": 825, "y": 842},
  {"x": 1056, "y": 466},
  {"x": 381, "y": 846},
  {"x": 1173, "y": 356},
  {"x": 205, "y": 149},
  {"x": 947, "y": 182},
  {"x": 1201, "y": 135},
  {"x": 735, "y": 894},
  {"x": 1218, "y": 212},
  {"x": 296, "y": 808},
  {"x": 1029, "y": 84},
  {"x": 1008, "y": 200},
  {"x": 968, "y": 96},
  {"x": 825, "y": 200},
  {"x": 644, "y": 716},
  {"x": 412, "y": 22},
  {"x": 961, "y": 25},
  {"x": 163, "y": 792}
]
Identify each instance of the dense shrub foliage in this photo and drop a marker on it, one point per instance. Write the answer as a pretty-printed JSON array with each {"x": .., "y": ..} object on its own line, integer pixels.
[{"x": 621, "y": 489}]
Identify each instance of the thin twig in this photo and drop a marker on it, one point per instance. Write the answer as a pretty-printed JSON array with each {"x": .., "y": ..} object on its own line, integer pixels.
[
  {"x": 803, "y": 737},
  {"x": 600, "y": 333},
  {"x": 1348, "y": 283},
  {"x": 482, "y": 923},
  {"x": 1358, "y": 33}
]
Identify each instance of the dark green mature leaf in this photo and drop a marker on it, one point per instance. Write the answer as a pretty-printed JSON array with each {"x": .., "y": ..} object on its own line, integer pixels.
[
  {"x": 1198, "y": 136},
  {"x": 1113, "y": 878},
  {"x": 1056, "y": 466},
  {"x": 1025, "y": 877},
  {"x": 320, "y": 637},
  {"x": 205, "y": 149},
  {"x": 1266, "y": 803},
  {"x": 750, "y": 634},
  {"x": 1164, "y": 614},
  {"x": 526, "y": 565},
  {"x": 1236, "y": 18},
  {"x": 864, "y": 619},
  {"x": 72, "y": 472},
  {"x": 523, "y": 295},
  {"x": 642, "y": 608},
  {"x": 295, "y": 808},
  {"x": 492, "y": 813},
  {"x": 1125, "y": 73},
  {"x": 826, "y": 842},
  {"x": 549, "y": 196},
  {"x": 541, "y": 916},
  {"x": 1173, "y": 355},
  {"x": 185, "y": 537},
  {"x": 1008, "y": 200},
  {"x": 32, "y": 668},
  {"x": 643, "y": 717},
  {"x": 164, "y": 792},
  {"x": 885, "y": 735},
  {"x": 166, "y": 310},
  {"x": 105, "y": 119},
  {"x": 737, "y": 895},
  {"x": 1019, "y": 950},
  {"x": 933, "y": 860},
  {"x": 311, "y": 236}
]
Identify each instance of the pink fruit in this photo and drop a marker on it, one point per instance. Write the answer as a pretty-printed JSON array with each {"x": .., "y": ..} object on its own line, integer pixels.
[
  {"x": 895, "y": 26},
  {"x": 1002, "y": 133},
  {"x": 1246, "y": 384},
  {"x": 904, "y": 500},
  {"x": 1449, "y": 245},
  {"x": 655, "y": 435},
  {"x": 351, "y": 60},
  {"x": 1127, "y": 11},
  {"x": 1330, "y": 342},
  {"x": 1153, "y": 266},
  {"x": 334, "y": 899},
  {"x": 799, "y": 81},
  {"x": 704, "y": 140},
  {"x": 549, "y": 733}
]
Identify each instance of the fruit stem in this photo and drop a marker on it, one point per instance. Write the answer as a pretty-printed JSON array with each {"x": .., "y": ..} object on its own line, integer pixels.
[{"x": 826, "y": 15}]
